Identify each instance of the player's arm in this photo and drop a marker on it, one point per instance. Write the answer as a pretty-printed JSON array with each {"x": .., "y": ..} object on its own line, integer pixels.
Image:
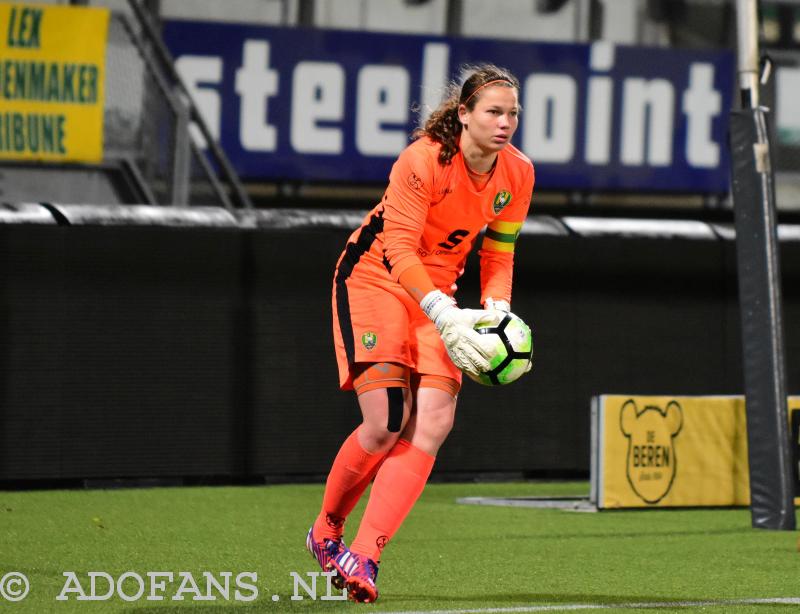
[
  {"x": 416, "y": 281},
  {"x": 497, "y": 263},
  {"x": 497, "y": 251},
  {"x": 406, "y": 204}
]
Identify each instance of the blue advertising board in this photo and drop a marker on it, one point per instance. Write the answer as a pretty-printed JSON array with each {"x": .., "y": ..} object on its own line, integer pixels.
[{"x": 330, "y": 105}]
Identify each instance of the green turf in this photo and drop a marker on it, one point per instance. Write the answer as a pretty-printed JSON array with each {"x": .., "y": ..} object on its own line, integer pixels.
[{"x": 446, "y": 556}]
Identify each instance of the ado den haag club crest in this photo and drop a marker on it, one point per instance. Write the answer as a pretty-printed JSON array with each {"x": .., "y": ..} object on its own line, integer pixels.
[
  {"x": 651, "y": 459},
  {"x": 369, "y": 340},
  {"x": 501, "y": 200}
]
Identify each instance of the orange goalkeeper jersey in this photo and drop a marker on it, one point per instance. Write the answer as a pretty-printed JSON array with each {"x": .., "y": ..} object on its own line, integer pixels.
[{"x": 432, "y": 214}]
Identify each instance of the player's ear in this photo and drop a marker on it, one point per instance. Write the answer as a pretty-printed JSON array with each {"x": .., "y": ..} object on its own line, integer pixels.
[{"x": 463, "y": 115}]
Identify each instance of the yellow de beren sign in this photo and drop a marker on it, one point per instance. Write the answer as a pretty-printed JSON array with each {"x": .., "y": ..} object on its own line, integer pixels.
[
  {"x": 52, "y": 77},
  {"x": 659, "y": 451}
]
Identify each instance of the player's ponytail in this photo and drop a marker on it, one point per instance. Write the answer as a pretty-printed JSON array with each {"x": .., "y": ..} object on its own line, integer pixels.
[{"x": 443, "y": 125}]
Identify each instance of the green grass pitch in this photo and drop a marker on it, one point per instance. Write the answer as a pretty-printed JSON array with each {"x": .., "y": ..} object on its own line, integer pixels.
[{"x": 447, "y": 556}]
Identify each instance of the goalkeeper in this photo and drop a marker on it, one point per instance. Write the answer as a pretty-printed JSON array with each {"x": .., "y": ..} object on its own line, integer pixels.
[{"x": 401, "y": 340}]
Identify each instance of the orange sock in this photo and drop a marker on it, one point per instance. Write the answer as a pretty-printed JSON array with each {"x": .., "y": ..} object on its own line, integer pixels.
[
  {"x": 399, "y": 483},
  {"x": 352, "y": 471}
]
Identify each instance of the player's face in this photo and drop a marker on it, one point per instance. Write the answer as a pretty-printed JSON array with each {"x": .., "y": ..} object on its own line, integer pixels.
[{"x": 493, "y": 120}]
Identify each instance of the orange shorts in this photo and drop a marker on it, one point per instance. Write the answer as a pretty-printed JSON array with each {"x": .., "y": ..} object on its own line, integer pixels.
[{"x": 376, "y": 320}]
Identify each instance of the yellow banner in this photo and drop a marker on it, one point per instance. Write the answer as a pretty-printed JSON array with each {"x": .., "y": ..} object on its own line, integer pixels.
[
  {"x": 52, "y": 77},
  {"x": 674, "y": 451}
]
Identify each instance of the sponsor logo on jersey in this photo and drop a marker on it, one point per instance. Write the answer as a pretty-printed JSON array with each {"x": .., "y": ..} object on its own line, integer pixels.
[{"x": 501, "y": 200}]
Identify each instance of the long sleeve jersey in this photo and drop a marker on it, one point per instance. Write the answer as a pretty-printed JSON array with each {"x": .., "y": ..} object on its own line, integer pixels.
[{"x": 432, "y": 214}]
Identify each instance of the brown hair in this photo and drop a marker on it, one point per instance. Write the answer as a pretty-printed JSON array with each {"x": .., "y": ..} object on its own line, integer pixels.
[{"x": 443, "y": 126}]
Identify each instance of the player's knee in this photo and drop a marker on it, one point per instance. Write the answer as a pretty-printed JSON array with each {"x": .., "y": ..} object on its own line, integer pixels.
[
  {"x": 435, "y": 422},
  {"x": 438, "y": 424},
  {"x": 385, "y": 399},
  {"x": 376, "y": 437}
]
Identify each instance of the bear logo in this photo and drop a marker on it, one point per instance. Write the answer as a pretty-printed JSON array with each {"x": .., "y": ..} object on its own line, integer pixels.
[{"x": 651, "y": 461}]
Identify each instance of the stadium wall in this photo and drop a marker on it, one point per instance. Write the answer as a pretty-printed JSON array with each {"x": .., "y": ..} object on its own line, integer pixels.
[{"x": 175, "y": 352}]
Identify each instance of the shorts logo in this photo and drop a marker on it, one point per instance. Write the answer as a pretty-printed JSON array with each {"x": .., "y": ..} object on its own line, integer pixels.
[
  {"x": 369, "y": 339},
  {"x": 501, "y": 200},
  {"x": 651, "y": 432}
]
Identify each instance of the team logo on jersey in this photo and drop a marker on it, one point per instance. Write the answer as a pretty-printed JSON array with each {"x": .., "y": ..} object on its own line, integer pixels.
[
  {"x": 414, "y": 182},
  {"x": 369, "y": 340},
  {"x": 501, "y": 200}
]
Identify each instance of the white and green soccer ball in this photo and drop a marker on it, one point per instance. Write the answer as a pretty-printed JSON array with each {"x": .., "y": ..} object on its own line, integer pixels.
[{"x": 511, "y": 345}]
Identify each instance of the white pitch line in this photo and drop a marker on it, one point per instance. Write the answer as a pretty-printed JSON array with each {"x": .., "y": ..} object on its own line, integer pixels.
[{"x": 652, "y": 605}]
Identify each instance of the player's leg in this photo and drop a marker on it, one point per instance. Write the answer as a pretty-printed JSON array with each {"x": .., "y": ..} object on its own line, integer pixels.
[
  {"x": 384, "y": 399},
  {"x": 403, "y": 474},
  {"x": 385, "y": 402},
  {"x": 434, "y": 412}
]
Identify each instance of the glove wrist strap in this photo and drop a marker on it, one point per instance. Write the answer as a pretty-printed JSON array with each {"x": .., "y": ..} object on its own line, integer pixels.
[
  {"x": 497, "y": 304},
  {"x": 435, "y": 303}
]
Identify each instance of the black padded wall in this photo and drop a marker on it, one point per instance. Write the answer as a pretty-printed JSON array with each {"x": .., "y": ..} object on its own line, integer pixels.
[
  {"x": 117, "y": 351},
  {"x": 187, "y": 352}
]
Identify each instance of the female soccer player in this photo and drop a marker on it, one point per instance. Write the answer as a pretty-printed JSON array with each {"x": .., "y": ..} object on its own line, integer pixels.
[{"x": 401, "y": 340}]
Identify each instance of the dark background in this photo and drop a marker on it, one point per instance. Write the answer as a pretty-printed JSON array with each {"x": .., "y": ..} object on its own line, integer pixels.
[{"x": 205, "y": 354}]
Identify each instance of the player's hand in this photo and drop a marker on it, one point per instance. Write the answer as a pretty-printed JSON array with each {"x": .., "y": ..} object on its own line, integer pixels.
[
  {"x": 491, "y": 304},
  {"x": 505, "y": 307},
  {"x": 457, "y": 328}
]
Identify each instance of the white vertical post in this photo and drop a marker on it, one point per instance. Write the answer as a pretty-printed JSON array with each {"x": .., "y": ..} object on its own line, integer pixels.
[{"x": 747, "y": 30}]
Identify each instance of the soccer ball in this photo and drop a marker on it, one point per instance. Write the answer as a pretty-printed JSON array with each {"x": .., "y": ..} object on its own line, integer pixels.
[{"x": 512, "y": 345}]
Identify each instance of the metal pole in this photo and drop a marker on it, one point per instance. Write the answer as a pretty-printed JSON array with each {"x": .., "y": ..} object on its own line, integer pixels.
[
  {"x": 760, "y": 302},
  {"x": 163, "y": 67},
  {"x": 747, "y": 31},
  {"x": 454, "y": 17},
  {"x": 305, "y": 13},
  {"x": 181, "y": 162}
]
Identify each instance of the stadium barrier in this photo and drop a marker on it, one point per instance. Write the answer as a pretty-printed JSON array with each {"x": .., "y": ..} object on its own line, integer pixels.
[{"x": 171, "y": 343}]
